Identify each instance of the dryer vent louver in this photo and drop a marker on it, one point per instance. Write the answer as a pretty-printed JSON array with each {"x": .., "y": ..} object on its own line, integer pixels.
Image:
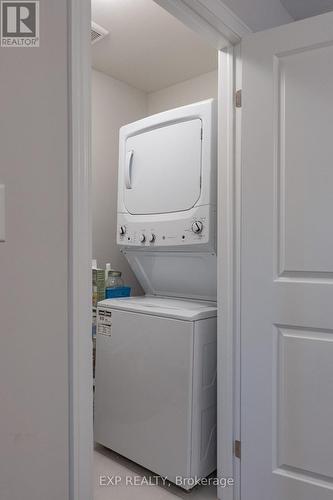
[{"x": 97, "y": 33}]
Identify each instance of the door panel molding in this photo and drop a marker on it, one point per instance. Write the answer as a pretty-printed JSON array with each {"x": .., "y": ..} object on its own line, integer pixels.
[
  {"x": 294, "y": 187},
  {"x": 297, "y": 444}
]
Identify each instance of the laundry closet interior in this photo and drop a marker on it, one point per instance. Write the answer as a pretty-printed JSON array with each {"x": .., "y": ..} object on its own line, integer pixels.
[{"x": 154, "y": 304}]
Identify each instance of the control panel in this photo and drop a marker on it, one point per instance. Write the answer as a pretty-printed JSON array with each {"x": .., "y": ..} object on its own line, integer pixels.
[{"x": 198, "y": 229}]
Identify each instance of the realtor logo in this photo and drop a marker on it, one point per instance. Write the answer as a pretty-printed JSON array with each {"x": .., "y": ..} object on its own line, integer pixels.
[{"x": 19, "y": 23}]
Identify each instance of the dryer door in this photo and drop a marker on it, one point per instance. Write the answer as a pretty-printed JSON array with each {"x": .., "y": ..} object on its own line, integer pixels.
[{"x": 162, "y": 173}]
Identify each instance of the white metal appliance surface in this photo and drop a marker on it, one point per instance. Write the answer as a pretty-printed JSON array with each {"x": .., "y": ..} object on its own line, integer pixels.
[
  {"x": 167, "y": 179},
  {"x": 159, "y": 162},
  {"x": 156, "y": 384},
  {"x": 167, "y": 201},
  {"x": 175, "y": 274},
  {"x": 156, "y": 355}
]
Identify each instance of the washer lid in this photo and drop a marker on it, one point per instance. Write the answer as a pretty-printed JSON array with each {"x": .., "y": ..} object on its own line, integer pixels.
[{"x": 186, "y": 310}]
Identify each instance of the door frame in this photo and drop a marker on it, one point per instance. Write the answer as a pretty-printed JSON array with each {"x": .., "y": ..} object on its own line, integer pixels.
[
  {"x": 228, "y": 269},
  {"x": 222, "y": 29},
  {"x": 80, "y": 253}
]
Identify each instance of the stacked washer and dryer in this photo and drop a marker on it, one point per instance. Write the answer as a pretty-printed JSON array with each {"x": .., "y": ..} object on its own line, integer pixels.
[{"x": 155, "y": 399}]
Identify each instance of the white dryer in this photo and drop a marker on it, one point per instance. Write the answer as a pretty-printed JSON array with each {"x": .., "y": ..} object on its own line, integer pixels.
[
  {"x": 155, "y": 399},
  {"x": 167, "y": 180},
  {"x": 167, "y": 201}
]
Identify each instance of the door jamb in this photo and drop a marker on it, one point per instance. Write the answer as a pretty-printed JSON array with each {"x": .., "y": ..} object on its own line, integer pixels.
[
  {"x": 226, "y": 276},
  {"x": 80, "y": 235},
  {"x": 213, "y": 20}
]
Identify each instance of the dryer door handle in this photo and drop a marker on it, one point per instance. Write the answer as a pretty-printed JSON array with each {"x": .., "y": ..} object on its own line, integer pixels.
[{"x": 128, "y": 169}]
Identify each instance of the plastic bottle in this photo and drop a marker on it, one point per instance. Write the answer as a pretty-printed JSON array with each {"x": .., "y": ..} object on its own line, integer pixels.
[
  {"x": 107, "y": 269},
  {"x": 94, "y": 282},
  {"x": 114, "y": 281}
]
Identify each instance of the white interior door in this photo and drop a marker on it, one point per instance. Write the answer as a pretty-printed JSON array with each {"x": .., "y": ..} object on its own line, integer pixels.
[
  {"x": 164, "y": 168},
  {"x": 287, "y": 263}
]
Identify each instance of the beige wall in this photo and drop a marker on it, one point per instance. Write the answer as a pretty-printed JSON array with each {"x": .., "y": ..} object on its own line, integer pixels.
[
  {"x": 34, "y": 265},
  {"x": 194, "y": 90},
  {"x": 114, "y": 104}
]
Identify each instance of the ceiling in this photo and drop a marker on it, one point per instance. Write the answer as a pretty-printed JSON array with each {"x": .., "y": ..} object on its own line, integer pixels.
[
  {"x": 260, "y": 15},
  {"x": 301, "y": 9},
  {"x": 147, "y": 47}
]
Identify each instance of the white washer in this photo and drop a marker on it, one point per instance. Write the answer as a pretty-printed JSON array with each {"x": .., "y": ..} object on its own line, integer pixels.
[
  {"x": 155, "y": 399},
  {"x": 156, "y": 384}
]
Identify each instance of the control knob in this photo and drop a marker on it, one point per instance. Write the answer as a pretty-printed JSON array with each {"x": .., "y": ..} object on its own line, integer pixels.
[
  {"x": 122, "y": 230},
  {"x": 142, "y": 238},
  {"x": 197, "y": 227},
  {"x": 152, "y": 238}
]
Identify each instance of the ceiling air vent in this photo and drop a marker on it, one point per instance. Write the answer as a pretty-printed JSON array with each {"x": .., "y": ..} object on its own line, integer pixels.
[{"x": 97, "y": 33}]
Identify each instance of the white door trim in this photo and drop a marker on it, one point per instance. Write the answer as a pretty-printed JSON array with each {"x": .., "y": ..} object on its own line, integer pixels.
[
  {"x": 227, "y": 278},
  {"x": 213, "y": 20},
  {"x": 80, "y": 343}
]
